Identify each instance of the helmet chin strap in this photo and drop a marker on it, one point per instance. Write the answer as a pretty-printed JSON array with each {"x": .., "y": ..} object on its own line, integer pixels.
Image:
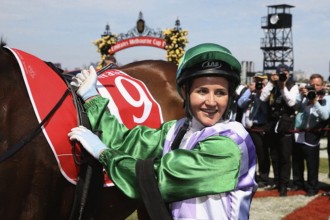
[
  {"x": 185, "y": 126},
  {"x": 187, "y": 108},
  {"x": 183, "y": 130},
  {"x": 226, "y": 114}
]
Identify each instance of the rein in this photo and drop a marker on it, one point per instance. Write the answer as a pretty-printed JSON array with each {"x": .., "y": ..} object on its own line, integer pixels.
[
  {"x": 20, "y": 144},
  {"x": 82, "y": 120},
  {"x": 91, "y": 177}
]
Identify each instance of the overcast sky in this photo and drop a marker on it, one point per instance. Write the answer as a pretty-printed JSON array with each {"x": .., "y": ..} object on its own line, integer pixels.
[{"x": 63, "y": 30}]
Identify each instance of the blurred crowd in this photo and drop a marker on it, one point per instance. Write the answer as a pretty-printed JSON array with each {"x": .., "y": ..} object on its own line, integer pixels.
[{"x": 286, "y": 121}]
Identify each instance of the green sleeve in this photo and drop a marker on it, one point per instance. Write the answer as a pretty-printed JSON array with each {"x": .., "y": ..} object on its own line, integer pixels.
[
  {"x": 211, "y": 167},
  {"x": 141, "y": 142}
]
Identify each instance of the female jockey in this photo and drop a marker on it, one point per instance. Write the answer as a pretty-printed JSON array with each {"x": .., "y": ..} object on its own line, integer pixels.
[{"x": 205, "y": 164}]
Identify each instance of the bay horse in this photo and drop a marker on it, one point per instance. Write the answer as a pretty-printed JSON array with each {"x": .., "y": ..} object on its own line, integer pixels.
[{"x": 31, "y": 184}]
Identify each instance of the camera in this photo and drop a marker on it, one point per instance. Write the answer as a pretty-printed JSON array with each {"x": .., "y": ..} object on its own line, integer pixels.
[
  {"x": 282, "y": 76},
  {"x": 312, "y": 93},
  {"x": 310, "y": 87},
  {"x": 259, "y": 85}
]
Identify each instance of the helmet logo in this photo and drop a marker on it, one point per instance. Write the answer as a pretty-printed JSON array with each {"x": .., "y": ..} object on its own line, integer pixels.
[{"x": 211, "y": 64}]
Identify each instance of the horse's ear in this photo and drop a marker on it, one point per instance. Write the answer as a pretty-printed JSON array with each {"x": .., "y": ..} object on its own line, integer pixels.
[{"x": 2, "y": 42}]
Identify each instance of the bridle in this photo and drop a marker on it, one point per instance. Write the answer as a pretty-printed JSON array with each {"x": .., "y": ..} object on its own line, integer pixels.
[{"x": 29, "y": 137}]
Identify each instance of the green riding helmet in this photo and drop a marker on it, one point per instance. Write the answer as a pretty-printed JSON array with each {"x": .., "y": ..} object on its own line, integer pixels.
[{"x": 208, "y": 59}]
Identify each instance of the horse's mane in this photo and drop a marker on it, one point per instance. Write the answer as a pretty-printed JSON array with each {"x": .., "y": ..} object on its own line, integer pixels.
[
  {"x": 148, "y": 64},
  {"x": 143, "y": 62}
]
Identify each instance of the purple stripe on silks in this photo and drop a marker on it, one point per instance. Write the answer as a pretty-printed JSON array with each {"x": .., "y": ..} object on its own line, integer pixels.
[
  {"x": 186, "y": 209},
  {"x": 202, "y": 135},
  {"x": 209, "y": 131},
  {"x": 234, "y": 136},
  {"x": 252, "y": 151},
  {"x": 167, "y": 146},
  {"x": 246, "y": 179}
]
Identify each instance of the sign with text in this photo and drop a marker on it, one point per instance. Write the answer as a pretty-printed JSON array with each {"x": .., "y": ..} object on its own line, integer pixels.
[{"x": 138, "y": 41}]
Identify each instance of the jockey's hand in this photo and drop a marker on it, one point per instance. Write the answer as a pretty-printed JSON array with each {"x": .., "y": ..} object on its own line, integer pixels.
[
  {"x": 90, "y": 141},
  {"x": 86, "y": 83}
]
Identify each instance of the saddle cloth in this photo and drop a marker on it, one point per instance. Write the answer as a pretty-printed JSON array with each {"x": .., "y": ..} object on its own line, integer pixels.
[{"x": 130, "y": 102}]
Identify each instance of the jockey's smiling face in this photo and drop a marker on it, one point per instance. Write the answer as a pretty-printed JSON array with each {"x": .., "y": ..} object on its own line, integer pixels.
[{"x": 209, "y": 99}]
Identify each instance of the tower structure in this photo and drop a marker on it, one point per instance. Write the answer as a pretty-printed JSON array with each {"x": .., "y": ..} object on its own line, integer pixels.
[{"x": 277, "y": 44}]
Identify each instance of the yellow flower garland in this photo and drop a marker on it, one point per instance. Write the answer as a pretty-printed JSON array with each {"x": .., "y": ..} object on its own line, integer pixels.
[
  {"x": 103, "y": 46},
  {"x": 175, "y": 40}
]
